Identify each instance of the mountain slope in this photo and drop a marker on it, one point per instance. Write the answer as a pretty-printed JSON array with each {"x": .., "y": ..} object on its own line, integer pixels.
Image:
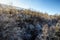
[{"x": 25, "y": 24}]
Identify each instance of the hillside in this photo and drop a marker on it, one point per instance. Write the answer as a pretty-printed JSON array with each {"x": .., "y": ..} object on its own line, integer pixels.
[{"x": 25, "y": 24}]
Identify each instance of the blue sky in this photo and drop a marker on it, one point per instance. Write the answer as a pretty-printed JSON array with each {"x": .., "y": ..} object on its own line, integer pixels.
[{"x": 49, "y": 6}]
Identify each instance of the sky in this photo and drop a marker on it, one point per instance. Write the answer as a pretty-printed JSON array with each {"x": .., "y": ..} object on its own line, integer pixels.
[{"x": 49, "y": 6}]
